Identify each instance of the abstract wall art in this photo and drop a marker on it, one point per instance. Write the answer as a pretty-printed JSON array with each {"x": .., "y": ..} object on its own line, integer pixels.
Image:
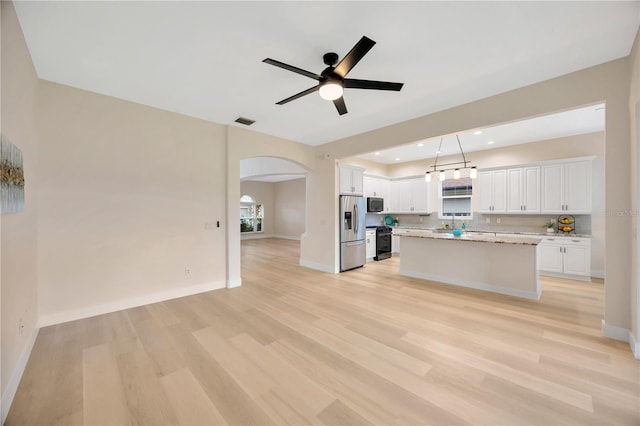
[{"x": 11, "y": 177}]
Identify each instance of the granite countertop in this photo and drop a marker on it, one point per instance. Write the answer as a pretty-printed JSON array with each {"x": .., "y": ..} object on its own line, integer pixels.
[
  {"x": 417, "y": 233},
  {"x": 493, "y": 231}
]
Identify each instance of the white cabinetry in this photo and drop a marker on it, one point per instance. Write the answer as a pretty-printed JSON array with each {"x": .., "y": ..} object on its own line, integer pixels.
[
  {"x": 523, "y": 190},
  {"x": 351, "y": 180},
  {"x": 566, "y": 188},
  {"x": 410, "y": 196},
  {"x": 371, "y": 244},
  {"x": 492, "y": 191},
  {"x": 565, "y": 256},
  {"x": 395, "y": 240},
  {"x": 380, "y": 188}
]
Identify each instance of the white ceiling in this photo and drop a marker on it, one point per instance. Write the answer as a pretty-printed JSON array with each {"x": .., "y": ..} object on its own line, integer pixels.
[
  {"x": 574, "y": 122},
  {"x": 203, "y": 59}
]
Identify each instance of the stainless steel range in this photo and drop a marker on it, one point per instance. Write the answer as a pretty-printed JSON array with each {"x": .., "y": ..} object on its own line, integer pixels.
[{"x": 383, "y": 243}]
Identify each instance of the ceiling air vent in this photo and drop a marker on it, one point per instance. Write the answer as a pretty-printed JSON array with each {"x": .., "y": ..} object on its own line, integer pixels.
[{"x": 245, "y": 121}]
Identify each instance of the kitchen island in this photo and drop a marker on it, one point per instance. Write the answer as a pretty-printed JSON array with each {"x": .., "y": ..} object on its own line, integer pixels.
[{"x": 506, "y": 265}]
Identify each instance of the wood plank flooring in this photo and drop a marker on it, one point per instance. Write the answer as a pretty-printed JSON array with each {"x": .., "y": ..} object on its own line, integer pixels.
[{"x": 301, "y": 347}]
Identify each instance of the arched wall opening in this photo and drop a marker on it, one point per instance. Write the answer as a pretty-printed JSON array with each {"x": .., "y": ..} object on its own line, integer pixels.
[{"x": 245, "y": 145}]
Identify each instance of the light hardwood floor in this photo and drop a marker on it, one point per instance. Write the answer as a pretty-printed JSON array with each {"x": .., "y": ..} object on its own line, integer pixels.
[{"x": 297, "y": 346}]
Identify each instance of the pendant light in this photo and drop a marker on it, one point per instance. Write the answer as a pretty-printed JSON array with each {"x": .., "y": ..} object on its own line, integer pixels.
[{"x": 473, "y": 172}]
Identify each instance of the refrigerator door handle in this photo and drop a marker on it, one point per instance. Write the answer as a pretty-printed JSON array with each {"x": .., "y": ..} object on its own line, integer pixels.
[{"x": 357, "y": 215}]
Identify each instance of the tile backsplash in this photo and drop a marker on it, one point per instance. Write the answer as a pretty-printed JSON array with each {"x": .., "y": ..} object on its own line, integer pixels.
[{"x": 508, "y": 223}]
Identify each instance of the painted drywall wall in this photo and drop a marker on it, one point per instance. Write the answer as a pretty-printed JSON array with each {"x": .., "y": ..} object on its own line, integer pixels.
[
  {"x": 289, "y": 208},
  {"x": 268, "y": 166},
  {"x": 262, "y": 193},
  {"x": 19, "y": 276},
  {"x": 128, "y": 205},
  {"x": 634, "y": 107},
  {"x": 608, "y": 82}
]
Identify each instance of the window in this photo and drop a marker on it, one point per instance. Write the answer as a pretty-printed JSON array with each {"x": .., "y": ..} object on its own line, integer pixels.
[
  {"x": 251, "y": 215},
  {"x": 455, "y": 198}
]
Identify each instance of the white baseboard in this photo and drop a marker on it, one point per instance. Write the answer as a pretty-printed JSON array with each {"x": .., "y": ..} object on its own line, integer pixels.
[
  {"x": 286, "y": 237},
  {"x": 119, "y": 305},
  {"x": 12, "y": 387},
  {"x": 635, "y": 345},
  {"x": 617, "y": 333},
  {"x": 597, "y": 273},
  {"x": 318, "y": 266},
  {"x": 474, "y": 284},
  {"x": 234, "y": 283},
  {"x": 254, "y": 236}
]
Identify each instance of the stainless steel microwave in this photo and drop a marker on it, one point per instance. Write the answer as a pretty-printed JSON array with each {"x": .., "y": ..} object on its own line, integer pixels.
[{"x": 375, "y": 205}]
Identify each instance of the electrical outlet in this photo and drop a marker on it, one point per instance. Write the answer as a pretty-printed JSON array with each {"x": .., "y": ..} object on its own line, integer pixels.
[
  {"x": 20, "y": 326},
  {"x": 187, "y": 272},
  {"x": 421, "y": 220},
  {"x": 498, "y": 220},
  {"x": 488, "y": 220}
]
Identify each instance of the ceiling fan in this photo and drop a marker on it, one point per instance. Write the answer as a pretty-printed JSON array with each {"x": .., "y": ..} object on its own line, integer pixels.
[{"x": 332, "y": 81}]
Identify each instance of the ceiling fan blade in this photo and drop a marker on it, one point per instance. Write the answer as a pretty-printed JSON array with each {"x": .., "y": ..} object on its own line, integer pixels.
[
  {"x": 370, "y": 84},
  {"x": 353, "y": 57},
  {"x": 340, "y": 105},
  {"x": 292, "y": 68},
  {"x": 298, "y": 95}
]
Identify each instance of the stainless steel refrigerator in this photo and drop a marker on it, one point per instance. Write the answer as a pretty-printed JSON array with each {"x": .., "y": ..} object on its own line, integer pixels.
[{"x": 352, "y": 232}]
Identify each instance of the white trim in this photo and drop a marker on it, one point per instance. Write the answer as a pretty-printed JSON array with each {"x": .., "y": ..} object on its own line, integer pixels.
[
  {"x": 474, "y": 284},
  {"x": 566, "y": 276},
  {"x": 635, "y": 345},
  {"x": 16, "y": 376},
  {"x": 254, "y": 235},
  {"x": 597, "y": 273},
  {"x": 318, "y": 266},
  {"x": 617, "y": 333},
  {"x": 234, "y": 283},
  {"x": 286, "y": 237},
  {"x": 119, "y": 305}
]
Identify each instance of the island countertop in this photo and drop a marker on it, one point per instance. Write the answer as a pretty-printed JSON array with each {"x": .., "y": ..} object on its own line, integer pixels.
[
  {"x": 506, "y": 265},
  {"x": 415, "y": 233}
]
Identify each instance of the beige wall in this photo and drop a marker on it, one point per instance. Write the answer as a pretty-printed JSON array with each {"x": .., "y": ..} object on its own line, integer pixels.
[
  {"x": 19, "y": 230},
  {"x": 263, "y": 193},
  {"x": 608, "y": 82},
  {"x": 126, "y": 193},
  {"x": 634, "y": 107},
  {"x": 290, "y": 208}
]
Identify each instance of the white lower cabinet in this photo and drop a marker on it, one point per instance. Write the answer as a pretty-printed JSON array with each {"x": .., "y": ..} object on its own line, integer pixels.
[
  {"x": 566, "y": 256},
  {"x": 371, "y": 244},
  {"x": 395, "y": 245}
]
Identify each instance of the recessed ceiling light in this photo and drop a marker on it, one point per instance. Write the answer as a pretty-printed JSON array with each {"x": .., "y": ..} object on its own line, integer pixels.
[
  {"x": 397, "y": 159},
  {"x": 477, "y": 132},
  {"x": 377, "y": 153},
  {"x": 438, "y": 152},
  {"x": 491, "y": 142},
  {"x": 420, "y": 144}
]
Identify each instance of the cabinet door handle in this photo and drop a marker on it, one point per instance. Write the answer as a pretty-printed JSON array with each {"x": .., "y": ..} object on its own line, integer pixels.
[{"x": 575, "y": 241}]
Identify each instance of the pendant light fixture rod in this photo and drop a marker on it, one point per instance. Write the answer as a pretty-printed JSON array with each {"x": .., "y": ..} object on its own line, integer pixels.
[{"x": 464, "y": 161}]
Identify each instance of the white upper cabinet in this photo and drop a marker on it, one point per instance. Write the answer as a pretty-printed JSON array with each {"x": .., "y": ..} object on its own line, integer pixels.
[
  {"x": 351, "y": 180},
  {"x": 409, "y": 196},
  {"x": 523, "y": 190},
  {"x": 492, "y": 191},
  {"x": 376, "y": 187},
  {"x": 566, "y": 188}
]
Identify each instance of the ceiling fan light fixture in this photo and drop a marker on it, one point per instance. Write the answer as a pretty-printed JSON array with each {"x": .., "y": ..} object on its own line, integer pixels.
[{"x": 331, "y": 90}]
